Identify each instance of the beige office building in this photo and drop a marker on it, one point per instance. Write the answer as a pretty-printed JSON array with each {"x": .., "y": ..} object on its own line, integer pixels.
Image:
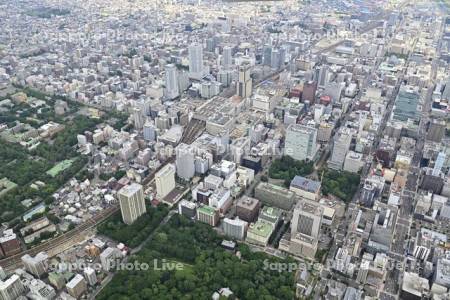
[
  {"x": 132, "y": 203},
  {"x": 165, "y": 181}
]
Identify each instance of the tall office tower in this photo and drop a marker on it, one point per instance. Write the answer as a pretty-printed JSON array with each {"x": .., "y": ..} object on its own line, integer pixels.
[
  {"x": 90, "y": 275},
  {"x": 138, "y": 118},
  {"x": 185, "y": 159},
  {"x": 282, "y": 56},
  {"x": 301, "y": 142},
  {"x": 438, "y": 164},
  {"x": 172, "y": 81},
  {"x": 244, "y": 84},
  {"x": 132, "y": 203},
  {"x": 109, "y": 257},
  {"x": 165, "y": 180},
  {"x": 446, "y": 91},
  {"x": 368, "y": 193},
  {"x": 436, "y": 131},
  {"x": 334, "y": 90},
  {"x": 405, "y": 105},
  {"x": 235, "y": 228},
  {"x": 341, "y": 146},
  {"x": 12, "y": 288},
  {"x": 196, "y": 61},
  {"x": 309, "y": 92},
  {"x": 35, "y": 265},
  {"x": 307, "y": 218},
  {"x": 275, "y": 60},
  {"x": 239, "y": 148},
  {"x": 267, "y": 56},
  {"x": 324, "y": 74},
  {"x": 76, "y": 286},
  {"x": 257, "y": 133},
  {"x": 149, "y": 131},
  {"x": 227, "y": 59}
]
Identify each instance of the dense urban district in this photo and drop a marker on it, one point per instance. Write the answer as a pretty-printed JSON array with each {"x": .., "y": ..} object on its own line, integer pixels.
[{"x": 200, "y": 149}]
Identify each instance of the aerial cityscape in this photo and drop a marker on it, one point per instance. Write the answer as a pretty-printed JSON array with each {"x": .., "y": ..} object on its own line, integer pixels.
[{"x": 232, "y": 149}]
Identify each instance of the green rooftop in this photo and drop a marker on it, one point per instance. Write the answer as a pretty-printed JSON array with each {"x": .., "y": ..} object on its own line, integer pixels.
[
  {"x": 61, "y": 166},
  {"x": 207, "y": 210},
  {"x": 271, "y": 212},
  {"x": 261, "y": 228}
]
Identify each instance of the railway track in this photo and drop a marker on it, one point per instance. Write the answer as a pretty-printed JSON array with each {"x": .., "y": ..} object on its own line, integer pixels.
[{"x": 14, "y": 261}]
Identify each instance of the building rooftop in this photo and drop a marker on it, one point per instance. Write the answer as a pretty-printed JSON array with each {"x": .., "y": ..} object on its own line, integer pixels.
[
  {"x": 305, "y": 184},
  {"x": 75, "y": 281},
  {"x": 248, "y": 202},
  {"x": 207, "y": 210},
  {"x": 415, "y": 285},
  {"x": 130, "y": 190},
  {"x": 261, "y": 228},
  {"x": 166, "y": 170},
  {"x": 300, "y": 128}
]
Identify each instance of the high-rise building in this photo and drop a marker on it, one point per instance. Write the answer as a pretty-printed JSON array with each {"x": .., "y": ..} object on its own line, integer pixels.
[
  {"x": 247, "y": 208},
  {"x": 227, "y": 59},
  {"x": 307, "y": 218},
  {"x": 324, "y": 132},
  {"x": 334, "y": 90},
  {"x": 267, "y": 56},
  {"x": 301, "y": 142},
  {"x": 165, "y": 180},
  {"x": 239, "y": 148},
  {"x": 368, "y": 193},
  {"x": 341, "y": 146},
  {"x": 77, "y": 286},
  {"x": 258, "y": 133},
  {"x": 225, "y": 77},
  {"x": 36, "y": 265},
  {"x": 235, "y": 228},
  {"x": 275, "y": 59},
  {"x": 38, "y": 289},
  {"x": 139, "y": 118},
  {"x": 305, "y": 228},
  {"x": 274, "y": 195},
  {"x": 12, "y": 288},
  {"x": 9, "y": 243},
  {"x": 187, "y": 209},
  {"x": 172, "y": 88},
  {"x": 309, "y": 92},
  {"x": 57, "y": 280},
  {"x": 108, "y": 258},
  {"x": 196, "y": 61},
  {"x": 353, "y": 162},
  {"x": 90, "y": 275},
  {"x": 324, "y": 74},
  {"x": 149, "y": 131},
  {"x": 439, "y": 164},
  {"x": 363, "y": 271},
  {"x": 132, "y": 202},
  {"x": 244, "y": 84},
  {"x": 414, "y": 287},
  {"x": 2, "y": 274},
  {"x": 442, "y": 274},
  {"x": 436, "y": 131},
  {"x": 185, "y": 161},
  {"x": 405, "y": 106},
  {"x": 208, "y": 215}
]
